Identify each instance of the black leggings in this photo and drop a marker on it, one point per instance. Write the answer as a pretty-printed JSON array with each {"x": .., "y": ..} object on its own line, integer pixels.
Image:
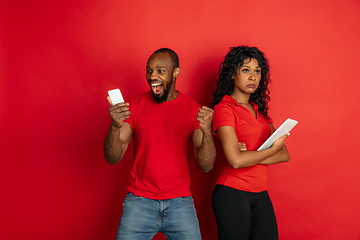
[{"x": 243, "y": 215}]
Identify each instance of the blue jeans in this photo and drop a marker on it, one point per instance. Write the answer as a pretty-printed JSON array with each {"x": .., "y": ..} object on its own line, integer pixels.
[{"x": 142, "y": 218}]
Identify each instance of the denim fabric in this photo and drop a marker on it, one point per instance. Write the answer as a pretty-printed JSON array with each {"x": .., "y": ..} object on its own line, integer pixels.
[{"x": 142, "y": 218}]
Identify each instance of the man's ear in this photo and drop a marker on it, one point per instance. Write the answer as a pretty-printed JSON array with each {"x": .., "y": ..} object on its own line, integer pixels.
[{"x": 176, "y": 72}]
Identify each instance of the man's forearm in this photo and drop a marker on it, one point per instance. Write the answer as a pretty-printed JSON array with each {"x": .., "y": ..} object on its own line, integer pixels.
[
  {"x": 113, "y": 151},
  {"x": 206, "y": 154}
]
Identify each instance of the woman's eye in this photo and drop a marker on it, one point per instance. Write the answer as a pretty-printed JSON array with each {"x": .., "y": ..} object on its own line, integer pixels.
[
  {"x": 245, "y": 70},
  {"x": 257, "y": 71}
]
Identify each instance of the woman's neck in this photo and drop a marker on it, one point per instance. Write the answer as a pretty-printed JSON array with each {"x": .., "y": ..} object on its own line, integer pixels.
[{"x": 242, "y": 99}]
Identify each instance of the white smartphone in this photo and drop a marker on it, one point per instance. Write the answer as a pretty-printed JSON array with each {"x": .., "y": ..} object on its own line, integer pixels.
[{"x": 115, "y": 96}]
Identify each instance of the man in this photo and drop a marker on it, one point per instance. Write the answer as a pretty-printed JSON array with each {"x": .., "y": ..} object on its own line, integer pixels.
[{"x": 162, "y": 123}]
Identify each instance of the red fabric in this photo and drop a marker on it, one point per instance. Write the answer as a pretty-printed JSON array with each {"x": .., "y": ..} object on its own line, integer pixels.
[
  {"x": 250, "y": 130},
  {"x": 162, "y": 136}
]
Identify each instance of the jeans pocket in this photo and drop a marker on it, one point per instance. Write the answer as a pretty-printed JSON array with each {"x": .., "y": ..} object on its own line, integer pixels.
[
  {"x": 186, "y": 199},
  {"x": 131, "y": 197}
]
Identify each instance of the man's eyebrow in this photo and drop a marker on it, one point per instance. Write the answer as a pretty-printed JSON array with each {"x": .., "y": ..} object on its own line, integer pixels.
[{"x": 156, "y": 67}]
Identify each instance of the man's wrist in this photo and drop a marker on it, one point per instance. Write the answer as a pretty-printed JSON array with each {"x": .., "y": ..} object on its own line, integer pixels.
[
  {"x": 114, "y": 126},
  {"x": 208, "y": 133}
]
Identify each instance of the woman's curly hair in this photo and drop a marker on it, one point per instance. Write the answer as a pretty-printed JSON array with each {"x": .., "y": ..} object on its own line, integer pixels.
[{"x": 227, "y": 70}]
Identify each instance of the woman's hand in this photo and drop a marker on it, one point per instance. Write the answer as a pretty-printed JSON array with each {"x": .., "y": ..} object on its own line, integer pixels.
[
  {"x": 242, "y": 147},
  {"x": 278, "y": 144}
]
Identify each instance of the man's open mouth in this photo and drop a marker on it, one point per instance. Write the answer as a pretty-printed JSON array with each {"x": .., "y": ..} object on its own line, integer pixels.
[{"x": 156, "y": 87}]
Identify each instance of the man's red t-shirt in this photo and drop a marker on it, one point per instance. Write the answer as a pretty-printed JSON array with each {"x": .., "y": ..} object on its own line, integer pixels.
[
  {"x": 162, "y": 135},
  {"x": 250, "y": 130}
]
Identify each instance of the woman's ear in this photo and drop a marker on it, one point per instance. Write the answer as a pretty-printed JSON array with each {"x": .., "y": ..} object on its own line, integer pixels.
[{"x": 176, "y": 72}]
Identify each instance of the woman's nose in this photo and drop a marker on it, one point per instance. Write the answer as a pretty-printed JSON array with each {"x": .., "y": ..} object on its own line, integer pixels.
[{"x": 252, "y": 76}]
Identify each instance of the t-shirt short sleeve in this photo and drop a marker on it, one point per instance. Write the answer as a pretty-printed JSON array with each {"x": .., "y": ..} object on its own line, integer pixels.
[
  {"x": 223, "y": 116},
  {"x": 194, "y": 111},
  {"x": 133, "y": 105}
]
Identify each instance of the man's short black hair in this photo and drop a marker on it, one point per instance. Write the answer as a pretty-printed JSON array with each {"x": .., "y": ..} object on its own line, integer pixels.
[{"x": 173, "y": 55}]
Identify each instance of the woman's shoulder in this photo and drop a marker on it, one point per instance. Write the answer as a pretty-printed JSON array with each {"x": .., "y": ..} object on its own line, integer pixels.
[
  {"x": 220, "y": 107},
  {"x": 226, "y": 101}
]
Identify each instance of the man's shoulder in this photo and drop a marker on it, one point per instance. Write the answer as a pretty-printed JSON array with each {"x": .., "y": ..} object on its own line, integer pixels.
[
  {"x": 137, "y": 102},
  {"x": 189, "y": 100},
  {"x": 142, "y": 97}
]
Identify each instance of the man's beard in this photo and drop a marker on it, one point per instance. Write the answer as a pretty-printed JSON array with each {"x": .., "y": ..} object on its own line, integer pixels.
[{"x": 163, "y": 98}]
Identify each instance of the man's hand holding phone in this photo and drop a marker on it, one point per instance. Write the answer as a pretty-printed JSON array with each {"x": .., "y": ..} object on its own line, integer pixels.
[{"x": 119, "y": 110}]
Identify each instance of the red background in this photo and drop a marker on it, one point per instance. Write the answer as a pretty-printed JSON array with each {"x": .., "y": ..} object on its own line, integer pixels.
[{"x": 59, "y": 58}]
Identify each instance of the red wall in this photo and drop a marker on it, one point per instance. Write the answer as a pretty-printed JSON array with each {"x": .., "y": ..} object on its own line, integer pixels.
[{"x": 59, "y": 58}]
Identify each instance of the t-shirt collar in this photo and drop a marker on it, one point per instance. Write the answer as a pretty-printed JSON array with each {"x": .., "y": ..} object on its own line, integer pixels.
[{"x": 230, "y": 102}]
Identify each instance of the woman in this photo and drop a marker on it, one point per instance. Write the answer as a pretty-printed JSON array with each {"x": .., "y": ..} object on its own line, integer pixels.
[{"x": 240, "y": 200}]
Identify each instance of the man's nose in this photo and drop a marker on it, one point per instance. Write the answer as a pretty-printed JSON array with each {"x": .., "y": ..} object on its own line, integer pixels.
[{"x": 154, "y": 75}]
